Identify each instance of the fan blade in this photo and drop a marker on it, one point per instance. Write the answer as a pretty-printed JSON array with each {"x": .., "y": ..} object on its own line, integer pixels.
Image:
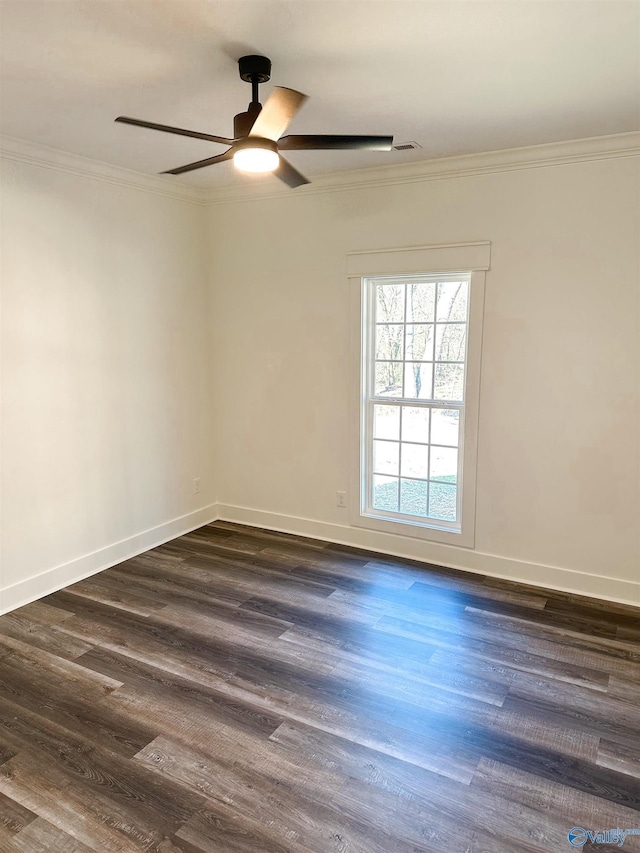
[
  {"x": 280, "y": 107},
  {"x": 355, "y": 143},
  {"x": 219, "y": 158},
  {"x": 167, "y": 129},
  {"x": 289, "y": 175}
]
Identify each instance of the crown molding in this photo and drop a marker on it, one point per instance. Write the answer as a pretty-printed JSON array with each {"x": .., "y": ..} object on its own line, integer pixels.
[
  {"x": 34, "y": 154},
  {"x": 467, "y": 165}
]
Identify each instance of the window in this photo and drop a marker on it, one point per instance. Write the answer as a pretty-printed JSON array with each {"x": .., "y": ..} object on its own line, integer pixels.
[
  {"x": 414, "y": 396},
  {"x": 418, "y": 391}
]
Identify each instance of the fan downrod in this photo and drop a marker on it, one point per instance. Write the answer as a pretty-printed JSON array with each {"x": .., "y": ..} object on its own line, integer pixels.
[{"x": 254, "y": 70}]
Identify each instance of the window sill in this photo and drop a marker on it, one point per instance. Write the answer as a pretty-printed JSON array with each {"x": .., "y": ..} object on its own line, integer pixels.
[{"x": 414, "y": 530}]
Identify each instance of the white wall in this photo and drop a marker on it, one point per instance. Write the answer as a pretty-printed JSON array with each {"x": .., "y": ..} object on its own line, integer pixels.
[
  {"x": 106, "y": 395},
  {"x": 147, "y": 340},
  {"x": 558, "y": 472}
]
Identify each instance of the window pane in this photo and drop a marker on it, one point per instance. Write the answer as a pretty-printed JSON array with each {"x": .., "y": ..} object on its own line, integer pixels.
[
  {"x": 417, "y": 380},
  {"x": 450, "y": 342},
  {"x": 389, "y": 303},
  {"x": 388, "y": 379},
  {"x": 442, "y": 501},
  {"x": 444, "y": 426},
  {"x": 413, "y": 497},
  {"x": 386, "y": 457},
  {"x": 385, "y": 493},
  {"x": 415, "y": 460},
  {"x": 415, "y": 424},
  {"x": 386, "y": 422},
  {"x": 449, "y": 382},
  {"x": 389, "y": 342},
  {"x": 416, "y": 346},
  {"x": 421, "y": 300},
  {"x": 452, "y": 301},
  {"x": 443, "y": 464},
  {"x": 419, "y": 343}
]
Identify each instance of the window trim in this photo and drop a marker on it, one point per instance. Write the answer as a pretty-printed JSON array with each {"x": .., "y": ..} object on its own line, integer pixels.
[{"x": 426, "y": 260}]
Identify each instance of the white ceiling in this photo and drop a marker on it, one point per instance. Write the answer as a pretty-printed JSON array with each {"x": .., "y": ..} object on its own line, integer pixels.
[{"x": 457, "y": 77}]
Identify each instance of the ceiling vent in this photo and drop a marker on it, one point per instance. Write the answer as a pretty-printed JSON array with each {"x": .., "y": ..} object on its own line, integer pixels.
[{"x": 406, "y": 146}]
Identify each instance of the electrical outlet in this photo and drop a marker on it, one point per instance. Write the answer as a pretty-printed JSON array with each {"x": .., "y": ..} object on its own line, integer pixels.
[
  {"x": 196, "y": 485},
  {"x": 341, "y": 499}
]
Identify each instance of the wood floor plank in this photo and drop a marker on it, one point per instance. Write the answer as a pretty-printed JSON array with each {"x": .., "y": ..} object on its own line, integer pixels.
[
  {"x": 177, "y": 584},
  {"x": 401, "y": 737},
  {"x": 263, "y": 769},
  {"x": 42, "y": 837},
  {"x": 240, "y": 690},
  {"x": 26, "y": 787},
  {"x": 480, "y": 587},
  {"x": 108, "y": 593},
  {"x": 157, "y": 684},
  {"x": 412, "y": 687},
  {"x": 260, "y": 575},
  {"x": 280, "y": 815},
  {"x": 43, "y": 636},
  {"x": 263, "y": 537},
  {"x": 501, "y": 649},
  {"x": 585, "y": 710},
  {"x": 190, "y": 547},
  {"x": 13, "y": 816},
  {"x": 100, "y": 785},
  {"x": 78, "y": 712},
  {"x": 612, "y": 654},
  {"x": 450, "y": 825},
  {"x": 215, "y": 582},
  {"x": 395, "y": 655},
  {"x": 44, "y": 664},
  {"x": 560, "y": 807},
  {"x": 6, "y": 750},
  {"x": 620, "y": 755},
  {"x": 39, "y": 611},
  {"x": 584, "y": 651},
  {"x": 248, "y": 792},
  {"x": 445, "y": 595},
  {"x": 273, "y": 691},
  {"x": 220, "y": 828},
  {"x": 623, "y": 690}
]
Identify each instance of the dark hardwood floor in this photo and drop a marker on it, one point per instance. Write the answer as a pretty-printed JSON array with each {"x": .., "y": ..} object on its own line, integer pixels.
[{"x": 237, "y": 690}]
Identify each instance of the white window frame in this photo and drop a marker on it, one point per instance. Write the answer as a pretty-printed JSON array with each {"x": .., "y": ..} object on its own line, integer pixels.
[{"x": 473, "y": 259}]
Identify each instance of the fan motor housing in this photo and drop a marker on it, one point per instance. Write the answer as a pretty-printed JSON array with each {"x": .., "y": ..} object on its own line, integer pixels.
[
  {"x": 256, "y": 68},
  {"x": 256, "y": 142}
]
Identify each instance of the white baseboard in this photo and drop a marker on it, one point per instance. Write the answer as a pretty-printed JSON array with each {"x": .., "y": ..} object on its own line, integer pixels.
[
  {"x": 76, "y": 570},
  {"x": 536, "y": 574},
  {"x": 554, "y": 577}
]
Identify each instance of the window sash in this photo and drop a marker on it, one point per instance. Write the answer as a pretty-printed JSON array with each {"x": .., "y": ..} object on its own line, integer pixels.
[
  {"x": 371, "y": 399},
  {"x": 392, "y": 515}
]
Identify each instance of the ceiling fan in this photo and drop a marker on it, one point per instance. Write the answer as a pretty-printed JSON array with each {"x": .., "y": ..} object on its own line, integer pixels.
[{"x": 258, "y": 139}]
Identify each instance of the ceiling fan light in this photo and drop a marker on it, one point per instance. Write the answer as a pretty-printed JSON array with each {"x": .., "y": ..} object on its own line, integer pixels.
[{"x": 256, "y": 159}]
